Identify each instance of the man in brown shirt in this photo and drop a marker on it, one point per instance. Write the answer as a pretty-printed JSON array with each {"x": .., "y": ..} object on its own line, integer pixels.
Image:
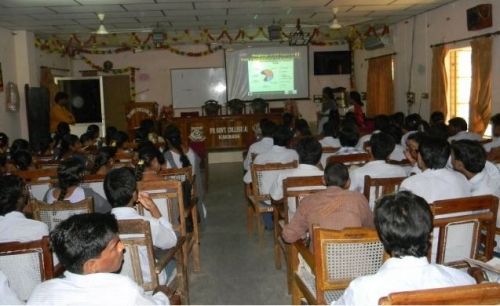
[{"x": 333, "y": 208}]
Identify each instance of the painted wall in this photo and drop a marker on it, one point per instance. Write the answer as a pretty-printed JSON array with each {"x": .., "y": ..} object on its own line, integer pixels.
[{"x": 443, "y": 24}]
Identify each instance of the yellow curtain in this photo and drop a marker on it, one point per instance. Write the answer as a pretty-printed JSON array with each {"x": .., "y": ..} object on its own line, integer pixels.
[
  {"x": 480, "y": 91},
  {"x": 439, "y": 80},
  {"x": 380, "y": 87}
]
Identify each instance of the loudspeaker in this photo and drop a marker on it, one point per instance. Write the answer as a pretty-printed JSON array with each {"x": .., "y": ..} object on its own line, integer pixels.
[
  {"x": 274, "y": 31},
  {"x": 479, "y": 17}
]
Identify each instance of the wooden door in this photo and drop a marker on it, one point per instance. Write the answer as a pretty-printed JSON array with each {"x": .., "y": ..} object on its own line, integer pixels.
[{"x": 116, "y": 98}]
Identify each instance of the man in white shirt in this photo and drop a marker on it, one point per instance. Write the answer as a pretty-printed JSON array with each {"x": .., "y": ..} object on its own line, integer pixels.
[
  {"x": 382, "y": 145},
  {"x": 495, "y": 134},
  {"x": 348, "y": 137},
  {"x": 121, "y": 190},
  {"x": 267, "y": 127},
  {"x": 14, "y": 226},
  {"x": 329, "y": 140},
  {"x": 411, "y": 125},
  {"x": 90, "y": 250},
  {"x": 309, "y": 151},
  {"x": 278, "y": 153},
  {"x": 404, "y": 225},
  {"x": 7, "y": 295},
  {"x": 458, "y": 130},
  {"x": 436, "y": 182}
]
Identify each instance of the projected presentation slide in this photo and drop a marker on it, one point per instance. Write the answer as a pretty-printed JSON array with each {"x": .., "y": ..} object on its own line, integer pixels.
[{"x": 270, "y": 73}]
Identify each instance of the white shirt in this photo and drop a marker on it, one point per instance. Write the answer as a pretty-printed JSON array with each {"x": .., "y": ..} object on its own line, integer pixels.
[
  {"x": 495, "y": 142},
  {"x": 93, "y": 289},
  {"x": 375, "y": 169},
  {"x": 437, "y": 184},
  {"x": 329, "y": 141},
  {"x": 365, "y": 138},
  {"x": 76, "y": 196},
  {"x": 258, "y": 147},
  {"x": 401, "y": 274},
  {"x": 465, "y": 135},
  {"x": 404, "y": 138},
  {"x": 7, "y": 295},
  {"x": 177, "y": 159},
  {"x": 276, "y": 154},
  {"x": 348, "y": 150},
  {"x": 483, "y": 184},
  {"x": 398, "y": 153},
  {"x": 14, "y": 226}
]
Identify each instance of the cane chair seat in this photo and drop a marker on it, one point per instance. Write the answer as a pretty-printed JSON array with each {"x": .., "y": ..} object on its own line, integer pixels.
[{"x": 55, "y": 213}]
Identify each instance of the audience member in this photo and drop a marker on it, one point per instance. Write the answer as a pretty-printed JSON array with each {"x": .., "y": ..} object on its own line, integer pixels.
[
  {"x": 436, "y": 118},
  {"x": 149, "y": 164},
  {"x": 121, "y": 190},
  {"x": 398, "y": 153},
  {"x": 110, "y": 135},
  {"x": 458, "y": 130},
  {"x": 267, "y": 127},
  {"x": 4, "y": 143},
  {"x": 411, "y": 152},
  {"x": 436, "y": 182},
  {"x": 90, "y": 250},
  {"x": 14, "y": 226},
  {"x": 412, "y": 124},
  {"x": 302, "y": 128},
  {"x": 495, "y": 133},
  {"x": 333, "y": 208},
  {"x": 398, "y": 119},
  {"x": 22, "y": 160},
  {"x": 355, "y": 100},
  {"x": 348, "y": 137},
  {"x": 404, "y": 225},
  {"x": 59, "y": 111},
  {"x": 104, "y": 160},
  {"x": 69, "y": 177},
  {"x": 19, "y": 145},
  {"x": 381, "y": 124},
  {"x": 330, "y": 138}
]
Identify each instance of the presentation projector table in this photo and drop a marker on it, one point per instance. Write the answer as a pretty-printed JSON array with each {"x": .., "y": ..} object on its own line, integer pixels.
[{"x": 222, "y": 133}]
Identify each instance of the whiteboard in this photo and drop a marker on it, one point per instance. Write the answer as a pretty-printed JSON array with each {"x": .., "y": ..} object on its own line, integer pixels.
[{"x": 192, "y": 87}]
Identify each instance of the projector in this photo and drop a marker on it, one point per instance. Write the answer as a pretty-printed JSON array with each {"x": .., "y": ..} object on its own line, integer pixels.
[{"x": 274, "y": 31}]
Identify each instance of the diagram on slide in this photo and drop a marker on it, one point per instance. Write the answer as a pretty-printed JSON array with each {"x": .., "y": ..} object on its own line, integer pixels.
[{"x": 266, "y": 75}]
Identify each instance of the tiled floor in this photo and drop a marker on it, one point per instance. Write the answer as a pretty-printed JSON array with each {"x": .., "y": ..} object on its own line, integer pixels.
[{"x": 234, "y": 269}]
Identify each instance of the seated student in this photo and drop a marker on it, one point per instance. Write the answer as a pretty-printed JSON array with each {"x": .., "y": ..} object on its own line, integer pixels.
[
  {"x": 333, "y": 208},
  {"x": 302, "y": 128},
  {"x": 93, "y": 131},
  {"x": 398, "y": 153},
  {"x": 404, "y": 225},
  {"x": 411, "y": 151},
  {"x": 104, "y": 160},
  {"x": 469, "y": 158},
  {"x": 458, "y": 130},
  {"x": 309, "y": 151},
  {"x": 14, "y": 226},
  {"x": 7, "y": 295},
  {"x": 330, "y": 138},
  {"x": 267, "y": 127},
  {"x": 176, "y": 155},
  {"x": 381, "y": 123},
  {"x": 348, "y": 137},
  {"x": 121, "y": 190},
  {"x": 411, "y": 125},
  {"x": 382, "y": 145},
  {"x": 436, "y": 182},
  {"x": 148, "y": 165},
  {"x": 436, "y": 118},
  {"x": 90, "y": 250},
  {"x": 86, "y": 140},
  {"x": 69, "y": 177},
  {"x": 278, "y": 152},
  {"x": 4, "y": 143},
  {"x": 23, "y": 160},
  {"x": 495, "y": 133}
]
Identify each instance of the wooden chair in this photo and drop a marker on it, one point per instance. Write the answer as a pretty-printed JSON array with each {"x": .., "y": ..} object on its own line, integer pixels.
[
  {"x": 55, "y": 213},
  {"x": 95, "y": 182},
  {"x": 457, "y": 229},
  {"x": 481, "y": 294},
  {"x": 294, "y": 190},
  {"x": 357, "y": 159},
  {"x": 263, "y": 176},
  {"x": 403, "y": 163},
  {"x": 168, "y": 196},
  {"x": 38, "y": 175},
  {"x": 325, "y": 153},
  {"x": 48, "y": 164},
  {"x": 338, "y": 257},
  {"x": 136, "y": 237},
  {"x": 26, "y": 264},
  {"x": 375, "y": 188}
]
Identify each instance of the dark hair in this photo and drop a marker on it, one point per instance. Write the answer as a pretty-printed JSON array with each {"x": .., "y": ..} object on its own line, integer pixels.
[
  {"x": 147, "y": 125},
  {"x": 404, "y": 224},
  {"x": 395, "y": 132},
  {"x": 336, "y": 174},
  {"x": 93, "y": 130},
  {"x": 328, "y": 129},
  {"x": 4, "y": 140},
  {"x": 438, "y": 130},
  {"x": 282, "y": 136},
  {"x": 173, "y": 135},
  {"x": 287, "y": 120},
  {"x": 67, "y": 142},
  {"x": 328, "y": 92},
  {"x": 398, "y": 119},
  {"x": 417, "y": 137},
  {"x": 436, "y": 117},
  {"x": 86, "y": 137},
  {"x": 102, "y": 157},
  {"x": 382, "y": 145},
  {"x": 458, "y": 123},
  {"x": 147, "y": 154},
  {"x": 412, "y": 122},
  {"x": 381, "y": 122},
  {"x": 121, "y": 138},
  {"x": 349, "y": 119},
  {"x": 495, "y": 120},
  {"x": 348, "y": 136},
  {"x": 62, "y": 130},
  {"x": 82, "y": 237},
  {"x": 22, "y": 159},
  {"x": 302, "y": 127},
  {"x": 267, "y": 127},
  {"x": 119, "y": 186},
  {"x": 69, "y": 173},
  {"x": 470, "y": 153},
  {"x": 110, "y": 135},
  {"x": 18, "y": 145},
  {"x": 11, "y": 189},
  {"x": 61, "y": 96},
  {"x": 309, "y": 150},
  {"x": 356, "y": 97},
  {"x": 434, "y": 151}
]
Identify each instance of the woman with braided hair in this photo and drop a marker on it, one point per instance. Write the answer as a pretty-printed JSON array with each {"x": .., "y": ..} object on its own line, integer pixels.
[
  {"x": 149, "y": 163},
  {"x": 69, "y": 177}
]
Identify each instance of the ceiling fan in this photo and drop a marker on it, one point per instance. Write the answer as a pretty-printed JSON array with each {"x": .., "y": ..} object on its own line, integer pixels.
[
  {"x": 335, "y": 25},
  {"x": 101, "y": 30}
]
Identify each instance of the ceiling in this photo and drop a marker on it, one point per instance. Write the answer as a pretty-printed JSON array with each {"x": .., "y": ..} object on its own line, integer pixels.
[{"x": 79, "y": 16}]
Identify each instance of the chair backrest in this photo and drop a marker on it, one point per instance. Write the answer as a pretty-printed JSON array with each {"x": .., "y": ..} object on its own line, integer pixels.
[
  {"x": 298, "y": 187},
  {"x": 124, "y": 157},
  {"x": 55, "y": 213},
  {"x": 179, "y": 174},
  {"x": 375, "y": 188},
  {"x": 326, "y": 152},
  {"x": 263, "y": 176},
  {"x": 457, "y": 228},
  {"x": 95, "y": 182},
  {"x": 26, "y": 264},
  {"x": 38, "y": 175},
  {"x": 350, "y": 159},
  {"x": 481, "y": 294},
  {"x": 168, "y": 196},
  {"x": 341, "y": 256},
  {"x": 136, "y": 237}
]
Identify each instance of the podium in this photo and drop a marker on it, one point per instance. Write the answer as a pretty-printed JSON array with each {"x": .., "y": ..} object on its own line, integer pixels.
[{"x": 138, "y": 111}]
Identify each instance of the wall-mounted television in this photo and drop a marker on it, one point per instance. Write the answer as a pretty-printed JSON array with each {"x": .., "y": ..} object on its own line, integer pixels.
[{"x": 332, "y": 62}]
